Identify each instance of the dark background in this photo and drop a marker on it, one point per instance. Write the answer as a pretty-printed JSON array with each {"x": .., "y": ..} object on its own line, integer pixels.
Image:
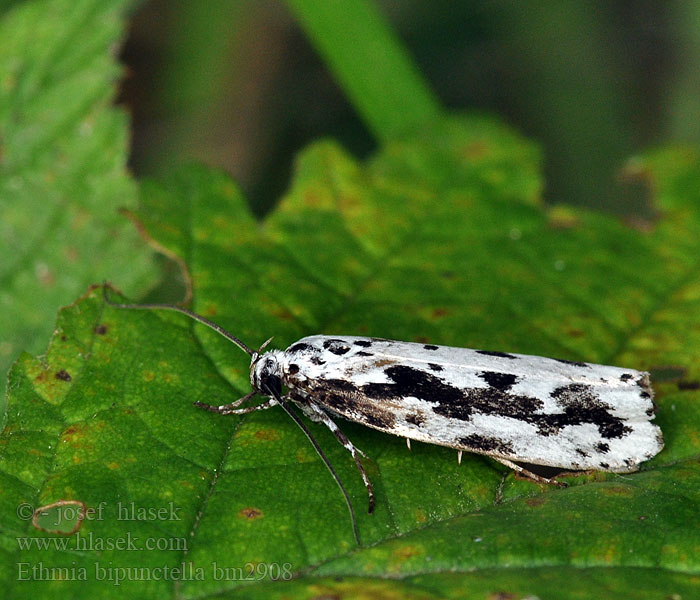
[{"x": 236, "y": 84}]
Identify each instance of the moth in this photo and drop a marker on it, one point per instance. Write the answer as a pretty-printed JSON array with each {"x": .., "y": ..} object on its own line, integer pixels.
[{"x": 513, "y": 408}]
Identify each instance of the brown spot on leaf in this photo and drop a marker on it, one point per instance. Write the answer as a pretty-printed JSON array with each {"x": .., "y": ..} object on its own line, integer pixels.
[
  {"x": 63, "y": 375},
  {"x": 536, "y": 501},
  {"x": 72, "y": 435},
  {"x": 269, "y": 435},
  {"x": 689, "y": 385},
  {"x": 284, "y": 314},
  {"x": 250, "y": 513},
  {"x": 439, "y": 312},
  {"x": 405, "y": 552},
  {"x": 100, "y": 329}
]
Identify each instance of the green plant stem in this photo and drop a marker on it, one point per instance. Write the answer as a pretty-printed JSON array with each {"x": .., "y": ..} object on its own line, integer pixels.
[{"x": 370, "y": 64}]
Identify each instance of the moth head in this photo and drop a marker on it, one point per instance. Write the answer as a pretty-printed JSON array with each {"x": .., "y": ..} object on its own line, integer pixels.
[{"x": 266, "y": 372}]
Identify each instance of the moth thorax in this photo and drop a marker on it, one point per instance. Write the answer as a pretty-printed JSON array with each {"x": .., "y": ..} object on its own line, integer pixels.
[{"x": 266, "y": 373}]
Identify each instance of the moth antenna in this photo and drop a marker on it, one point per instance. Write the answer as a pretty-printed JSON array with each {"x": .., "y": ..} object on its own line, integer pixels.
[
  {"x": 264, "y": 344},
  {"x": 220, "y": 330},
  {"x": 285, "y": 405}
]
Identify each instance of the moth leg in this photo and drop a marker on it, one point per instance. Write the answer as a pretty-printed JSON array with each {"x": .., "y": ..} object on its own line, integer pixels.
[
  {"x": 528, "y": 474},
  {"x": 322, "y": 417},
  {"x": 408, "y": 443},
  {"x": 232, "y": 408}
]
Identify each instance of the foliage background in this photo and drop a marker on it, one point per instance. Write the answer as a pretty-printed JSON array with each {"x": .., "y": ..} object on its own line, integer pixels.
[{"x": 239, "y": 85}]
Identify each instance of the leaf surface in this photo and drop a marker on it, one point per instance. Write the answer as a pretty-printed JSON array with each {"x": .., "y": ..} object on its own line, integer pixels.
[
  {"x": 63, "y": 150},
  {"x": 439, "y": 238}
]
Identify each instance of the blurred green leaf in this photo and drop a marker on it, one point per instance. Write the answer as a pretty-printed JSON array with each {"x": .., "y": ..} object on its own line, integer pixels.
[
  {"x": 439, "y": 238},
  {"x": 369, "y": 63},
  {"x": 63, "y": 149}
]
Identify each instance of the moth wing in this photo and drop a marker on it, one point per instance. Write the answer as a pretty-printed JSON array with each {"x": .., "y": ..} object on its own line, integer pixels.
[{"x": 518, "y": 407}]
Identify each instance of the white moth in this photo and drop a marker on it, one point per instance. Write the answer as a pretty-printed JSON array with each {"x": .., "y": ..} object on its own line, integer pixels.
[{"x": 510, "y": 407}]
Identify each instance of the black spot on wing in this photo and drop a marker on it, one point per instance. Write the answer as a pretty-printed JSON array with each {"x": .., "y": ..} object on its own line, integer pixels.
[
  {"x": 416, "y": 419},
  {"x": 317, "y": 360},
  {"x": 434, "y": 367},
  {"x": 626, "y": 377},
  {"x": 363, "y": 353},
  {"x": 581, "y": 452},
  {"x": 645, "y": 385},
  {"x": 573, "y": 363},
  {"x": 496, "y": 354},
  {"x": 604, "y": 465},
  {"x": 345, "y": 398},
  {"x": 341, "y": 385},
  {"x": 430, "y": 347},
  {"x": 578, "y": 402},
  {"x": 409, "y": 381},
  {"x": 602, "y": 447},
  {"x": 500, "y": 381},
  {"x": 381, "y": 419},
  {"x": 293, "y": 369},
  {"x": 582, "y": 405},
  {"x": 363, "y": 343},
  {"x": 451, "y": 401},
  {"x": 302, "y": 347},
  {"x": 334, "y": 401},
  {"x": 338, "y": 347},
  {"x": 488, "y": 445}
]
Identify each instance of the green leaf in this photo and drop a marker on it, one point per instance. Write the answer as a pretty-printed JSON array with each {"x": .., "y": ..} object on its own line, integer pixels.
[
  {"x": 370, "y": 63},
  {"x": 437, "y": 239},
  {"x": 63, "y": 149}
]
